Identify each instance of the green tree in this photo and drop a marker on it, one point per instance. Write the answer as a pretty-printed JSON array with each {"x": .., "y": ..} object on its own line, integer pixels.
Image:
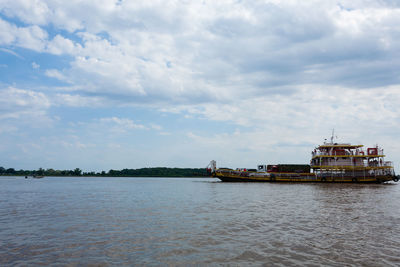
[
  {"x": 40, "y": 171},
  {"x": 10, "y": 171},
  {"x": 78, "y": 172}
]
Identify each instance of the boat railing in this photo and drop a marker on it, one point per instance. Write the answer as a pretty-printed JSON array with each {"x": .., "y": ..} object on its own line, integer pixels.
[
  {"x": 359, "y": 174},
  {"x": 368, "y": 165},
  {"x": 357, "y": 153},
  {"x": 388, "y": 163},
  {"x": 319, "y": 154},
  {"x": 330, "y": 154}
]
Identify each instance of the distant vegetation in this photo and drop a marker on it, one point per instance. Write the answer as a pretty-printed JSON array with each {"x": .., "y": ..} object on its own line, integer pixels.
[{"x": 143, "y": 172}]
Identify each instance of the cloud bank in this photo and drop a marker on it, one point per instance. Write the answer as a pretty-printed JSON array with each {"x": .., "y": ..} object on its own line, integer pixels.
[{"x": 282, "y": 72}]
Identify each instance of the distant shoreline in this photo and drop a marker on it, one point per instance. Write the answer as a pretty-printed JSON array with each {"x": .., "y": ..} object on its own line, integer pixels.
[
  {"x": 142, "y": 172},
  {"x": 88, "y": 176}
]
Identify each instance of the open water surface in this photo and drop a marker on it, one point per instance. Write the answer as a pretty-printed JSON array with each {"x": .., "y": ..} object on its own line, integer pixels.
[{"x": 200, "y": 221}]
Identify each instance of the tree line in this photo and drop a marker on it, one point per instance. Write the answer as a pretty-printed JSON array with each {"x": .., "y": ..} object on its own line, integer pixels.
[{"x": 143, "y": 172}]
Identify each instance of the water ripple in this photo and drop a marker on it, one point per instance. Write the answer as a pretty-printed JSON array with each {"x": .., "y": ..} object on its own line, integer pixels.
[{"x": 180, "y": 222}]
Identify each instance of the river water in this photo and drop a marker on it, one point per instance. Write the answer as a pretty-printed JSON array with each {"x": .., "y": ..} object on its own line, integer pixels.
[{"x": 196, "y": 221}]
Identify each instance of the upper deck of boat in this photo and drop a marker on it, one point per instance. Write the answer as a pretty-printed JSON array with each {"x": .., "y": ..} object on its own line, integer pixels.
[{"x": 335, "y": 145}]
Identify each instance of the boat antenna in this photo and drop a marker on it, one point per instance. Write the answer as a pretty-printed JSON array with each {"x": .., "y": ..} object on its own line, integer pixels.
[{"x": 333, "y": 133}]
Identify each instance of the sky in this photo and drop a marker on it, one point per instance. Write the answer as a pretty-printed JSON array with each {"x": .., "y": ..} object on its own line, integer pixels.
[{"x": 114, "y": 84}]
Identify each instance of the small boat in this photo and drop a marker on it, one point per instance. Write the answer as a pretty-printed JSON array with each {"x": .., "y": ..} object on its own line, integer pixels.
[
  {"x": 331, "y": 162},
  {"x": 37, "y": 176}
]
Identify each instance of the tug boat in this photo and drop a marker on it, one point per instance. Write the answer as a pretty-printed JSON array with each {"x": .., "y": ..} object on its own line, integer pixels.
[{"x": 330, "y": 162}]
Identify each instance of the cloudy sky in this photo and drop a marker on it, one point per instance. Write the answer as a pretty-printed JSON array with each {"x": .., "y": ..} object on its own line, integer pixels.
[{"x": 113, "y": 84}]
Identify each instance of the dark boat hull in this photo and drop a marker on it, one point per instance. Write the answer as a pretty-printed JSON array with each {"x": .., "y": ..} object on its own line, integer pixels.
[{"x": 234, "y": 176}]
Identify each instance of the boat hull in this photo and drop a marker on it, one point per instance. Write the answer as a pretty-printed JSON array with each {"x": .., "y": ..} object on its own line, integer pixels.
[{"x": 233, "y": 176}]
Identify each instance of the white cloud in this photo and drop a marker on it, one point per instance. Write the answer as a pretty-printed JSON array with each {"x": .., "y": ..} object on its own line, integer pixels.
[
  {"x": 7, "y": 35},
  {"x": 310, "y": 106},
  {"x": 31, "y": 37},
  {"x": 35, "y": 65},
  {"x": 156, "y": 127},
  {"x": 106, "y": 130},
  {"x": 276, "y": 125},
  {"x": 60, "y": 45},
  {"x": 16, "y": 102},
  {"x": 77, "y": 100},
  {"x": 245, "y": 51},
  {"x": 53, "y": 73},
  {"x": 31, "y": 12},
  {"x": 11, "y": 52},
  {"x": 121, "y": 124},
  {"x": 190, "y": 52},
  {"x": 34, "y": 38},
  {"x": 23, "y": 108}
]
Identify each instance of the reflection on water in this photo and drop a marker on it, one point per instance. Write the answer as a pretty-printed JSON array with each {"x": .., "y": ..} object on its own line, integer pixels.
[{"x": 149, "y": 221}]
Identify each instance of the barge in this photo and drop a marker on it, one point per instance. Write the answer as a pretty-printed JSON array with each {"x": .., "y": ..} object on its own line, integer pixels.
[{"x": 330, "y": 162}]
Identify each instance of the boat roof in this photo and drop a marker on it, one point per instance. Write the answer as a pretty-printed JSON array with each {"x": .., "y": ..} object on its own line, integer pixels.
[{"x": 340, "y": 145}]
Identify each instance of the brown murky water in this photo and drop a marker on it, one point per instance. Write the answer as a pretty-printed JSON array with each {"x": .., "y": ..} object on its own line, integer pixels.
[{"x": 153, "y": 222}]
